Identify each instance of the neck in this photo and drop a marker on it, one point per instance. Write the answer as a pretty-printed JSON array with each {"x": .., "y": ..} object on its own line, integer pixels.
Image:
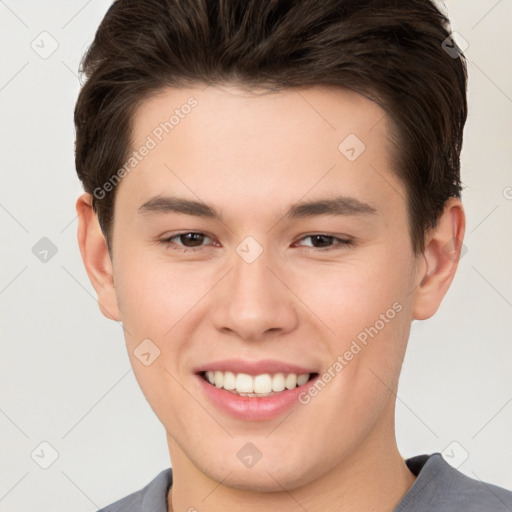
[{"x": 373, "y": 477}]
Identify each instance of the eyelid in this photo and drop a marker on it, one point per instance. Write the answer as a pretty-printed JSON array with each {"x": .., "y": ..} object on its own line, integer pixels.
[
  {"x": 342, "y": 242},
  {"x": 167, "y": 239},
  {"x": 345, "y": 242}
]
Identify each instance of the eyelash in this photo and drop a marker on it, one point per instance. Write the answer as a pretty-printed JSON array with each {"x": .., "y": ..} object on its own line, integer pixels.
[{"x": 176, "y": 247}]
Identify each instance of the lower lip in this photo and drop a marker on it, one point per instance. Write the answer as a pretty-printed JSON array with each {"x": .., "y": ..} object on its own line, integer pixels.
[{"x": 254, "y": 408}]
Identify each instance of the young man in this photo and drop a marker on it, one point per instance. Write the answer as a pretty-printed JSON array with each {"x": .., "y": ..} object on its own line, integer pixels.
[{"x": 272, "y": 196}]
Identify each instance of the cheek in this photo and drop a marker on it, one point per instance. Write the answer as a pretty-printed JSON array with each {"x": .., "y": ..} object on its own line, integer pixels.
[
  {"x": 366, "y": 305},
  {"x": 153, "y": 296},
  {"x": 351, "y": 295},
  {"x": 154, "y": 300}
]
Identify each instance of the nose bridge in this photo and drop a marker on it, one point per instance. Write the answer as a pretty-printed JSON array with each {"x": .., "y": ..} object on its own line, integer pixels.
[
  {"x": 251, "y": 279},
  {"x": 250, "y": 270},
  {"x": 254, "y": 300}
]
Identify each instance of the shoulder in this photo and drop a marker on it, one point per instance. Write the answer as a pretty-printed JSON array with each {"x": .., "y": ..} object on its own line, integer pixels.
[
  {"x": 439, "y": 486},
  {"x": 474, "y": 494},
  {"x": 151, "y": 498}
]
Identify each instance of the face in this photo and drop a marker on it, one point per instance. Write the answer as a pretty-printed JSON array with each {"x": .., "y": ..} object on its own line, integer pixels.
[{"x": 295, "y": 263}]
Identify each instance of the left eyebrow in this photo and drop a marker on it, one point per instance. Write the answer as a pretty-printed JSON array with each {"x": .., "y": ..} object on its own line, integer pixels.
[
  {"x": 340, "y": 205},
  {"x": 168, "y": 204}
]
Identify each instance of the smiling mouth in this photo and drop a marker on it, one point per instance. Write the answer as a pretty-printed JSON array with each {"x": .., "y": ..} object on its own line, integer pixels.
[{"x": 261, "y": 385}]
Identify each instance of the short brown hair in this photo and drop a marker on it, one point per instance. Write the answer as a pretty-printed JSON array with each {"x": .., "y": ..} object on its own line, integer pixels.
[{"x": 389, "y": 51}]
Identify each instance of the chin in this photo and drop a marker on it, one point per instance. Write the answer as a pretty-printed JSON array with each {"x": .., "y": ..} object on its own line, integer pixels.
[
  {"x": 265, "y": 477},
  {"x": 260, "y": 481}
]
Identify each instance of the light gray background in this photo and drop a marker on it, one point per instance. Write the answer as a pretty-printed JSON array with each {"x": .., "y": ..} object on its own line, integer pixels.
[{"x": 65, "y": 375}]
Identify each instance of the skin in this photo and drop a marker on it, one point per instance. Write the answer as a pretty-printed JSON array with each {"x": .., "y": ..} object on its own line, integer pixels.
[{"x": 251, "y": 155}]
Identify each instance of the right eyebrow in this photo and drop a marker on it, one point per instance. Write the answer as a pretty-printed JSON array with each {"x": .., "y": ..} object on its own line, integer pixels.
[{"x": 339, "y": 205}]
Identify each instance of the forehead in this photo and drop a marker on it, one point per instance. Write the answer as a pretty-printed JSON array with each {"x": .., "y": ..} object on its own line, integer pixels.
[
  {"x": 245, "y": 146},
  {"x": 215, "y": 110}
]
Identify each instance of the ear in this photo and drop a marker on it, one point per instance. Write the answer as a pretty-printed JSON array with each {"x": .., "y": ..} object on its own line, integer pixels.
[
  {"x": 441, "y": 256},
  {"x": 96, "y": 258}
]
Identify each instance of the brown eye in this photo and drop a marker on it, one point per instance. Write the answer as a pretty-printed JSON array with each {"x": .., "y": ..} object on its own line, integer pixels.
[
  {"x": 191, "y": 239},
  {"x": 323, "y": 241},
  {"x": 183, "y": 241}
]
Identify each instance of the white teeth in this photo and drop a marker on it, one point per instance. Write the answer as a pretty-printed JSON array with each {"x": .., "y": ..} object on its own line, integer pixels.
[
  {"x": 278, "y": 382},
  {"x": 219, "y": 379},
  {"x": 258, "y": 385},
  {"x": 244, "y": 383},
  {"x": 291, "y": 381},
  {"x": 263, "y": 383},
  {"x": 229, "y": 380},
  {"x": 302, "y": 379}
]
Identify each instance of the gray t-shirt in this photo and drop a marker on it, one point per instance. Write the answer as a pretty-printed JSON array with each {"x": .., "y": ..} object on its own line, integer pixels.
[{"x": 437, "y": 488}]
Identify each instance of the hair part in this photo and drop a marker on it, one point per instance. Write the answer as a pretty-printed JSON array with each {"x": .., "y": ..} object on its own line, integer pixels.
[{"x": 389, "y": 51}]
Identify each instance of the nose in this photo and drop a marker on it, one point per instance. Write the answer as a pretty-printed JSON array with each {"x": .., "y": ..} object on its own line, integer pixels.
[{"x": 254, "y": 301}]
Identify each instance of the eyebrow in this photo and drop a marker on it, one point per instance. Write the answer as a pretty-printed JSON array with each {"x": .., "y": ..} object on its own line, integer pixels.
[{"x": 339, "y": 205}]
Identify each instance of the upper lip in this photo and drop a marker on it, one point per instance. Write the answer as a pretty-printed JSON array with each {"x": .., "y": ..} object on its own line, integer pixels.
[{"x": 252, "y": 367}]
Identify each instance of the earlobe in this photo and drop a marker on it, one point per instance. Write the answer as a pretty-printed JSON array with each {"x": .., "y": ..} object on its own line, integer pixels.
[
  {"x": 442, "y": 253},
  {"x": 96, "y": 258}
]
